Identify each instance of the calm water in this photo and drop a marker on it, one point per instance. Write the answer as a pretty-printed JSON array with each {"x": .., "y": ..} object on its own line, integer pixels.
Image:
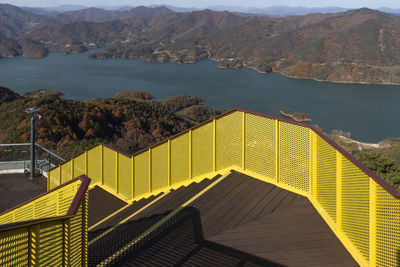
[{"x": 369, "y": 112}]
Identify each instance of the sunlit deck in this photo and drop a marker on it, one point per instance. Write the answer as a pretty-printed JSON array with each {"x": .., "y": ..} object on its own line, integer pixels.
[{"x": 237, "y": 219}]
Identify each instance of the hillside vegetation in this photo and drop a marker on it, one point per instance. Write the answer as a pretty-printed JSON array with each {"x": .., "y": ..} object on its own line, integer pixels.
[
  {"x": 127, "y": 123},
  {"x": 382, "y": 158}
]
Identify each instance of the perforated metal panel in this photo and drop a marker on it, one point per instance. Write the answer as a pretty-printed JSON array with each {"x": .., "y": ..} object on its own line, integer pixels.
[
  {"x": 355, "y": 206},
  {"x": 79, "y": 165},
  {"x": 387, "y": 229},
  {"x": 109, "y": 168},
  {"x": 55, "y": 203},
  {"x": 142, "y": 173},
  {"x": 125, "y": 176},
  {"x": 180, "y": 158},
  {"x": 260, "y": 145},
  {"x": 14, "y": 247},
  {"x": 66, "y": 172},
  {"x": 50, "y": 249},
  {"x": 294, "y": 150},
  {"x": 229, "y": 140},
  {"x": 76, "y": 238},
  {"x": 54, "y": 177},
  {"x": 159, "y": 165},
  {"x": 202, "y": 150},
  {"x": 326, "y": 177},
  {"x": 94, "y": 164}
]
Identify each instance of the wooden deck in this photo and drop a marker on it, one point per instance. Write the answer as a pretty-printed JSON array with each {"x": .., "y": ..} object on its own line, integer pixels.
[
  {"x": 245, "y": 215},
  {"x": 102, "y": 204}
]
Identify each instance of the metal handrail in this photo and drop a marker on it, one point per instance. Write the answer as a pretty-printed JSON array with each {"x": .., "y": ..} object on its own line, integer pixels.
[
  {"x": 17, "y": 144},
  {"x": 38, "y": 145},
  {"x": 50, "y": 152}
]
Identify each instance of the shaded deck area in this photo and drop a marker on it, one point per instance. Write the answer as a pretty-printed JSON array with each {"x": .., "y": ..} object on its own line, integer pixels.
[
  {"x": 234, "y": 221},
  {"x": 16, "y": 188}
]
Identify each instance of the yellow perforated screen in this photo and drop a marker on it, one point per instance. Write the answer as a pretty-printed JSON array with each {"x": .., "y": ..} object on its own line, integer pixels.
[
  {"x": 79, "y": 165},
  {"x": 387, "y": 229},
  {"x": 229, "y": 141},
  {"x": 66, "y": 172},
  {"x": 14, "y": 247},
  {"x": 294, "y": 150},
  {"x": 94, "y": 164},
  {"x": 125, "y": 176},
  {"x": 109, "y": 168},
  {"x": 50, "y": 244},
  {"x": 260, "y": 145},
  {"x": 202, "y": 150},
  {"x": 142, "y": 173},
  {"x": 355, "y": 206},
  {"x": 159, "y": 173},
  {"x": 326, "y": 177},
  {"x": 180, "y": 158}
]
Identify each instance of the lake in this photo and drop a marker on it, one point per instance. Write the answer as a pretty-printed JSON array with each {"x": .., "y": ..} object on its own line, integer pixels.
[{"x": 369, "y": 112}]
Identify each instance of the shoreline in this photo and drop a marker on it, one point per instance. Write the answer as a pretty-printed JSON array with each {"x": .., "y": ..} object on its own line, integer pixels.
[{"x": 217, "y": 60}]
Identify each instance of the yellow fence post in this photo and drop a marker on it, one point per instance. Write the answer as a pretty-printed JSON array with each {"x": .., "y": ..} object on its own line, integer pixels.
[
  {"x": 72, "y": 168},
  {"x": 48, "y": 180},
  {"x": 133, "y": 176},
  {"x": 314, "y": 178},
  {"x": 214, "y": 145},
  {"x": 372, "y": 223},
  {"x": 116, "y": 173},
  {"x": 66, "y": 242},
  {"x": 190, "y": 154},
  {"x": 310, "y": 172},
  {"x": 86, "y": 163},
  {"x": 150, "y": 174},
  {"x": 244, "y": 141},
  {"x": 60, "y": 173},
  {"x": 33, "y": 245},
  {"x": 169, "y": 162},
  {"x": 277, "y": 152},
  {"x": 101, "y": 164},
  {"x": 338, "y": 191}
]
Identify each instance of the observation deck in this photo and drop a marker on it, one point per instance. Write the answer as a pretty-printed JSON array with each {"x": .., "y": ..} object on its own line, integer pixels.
[{"x": 241, "y": 189}]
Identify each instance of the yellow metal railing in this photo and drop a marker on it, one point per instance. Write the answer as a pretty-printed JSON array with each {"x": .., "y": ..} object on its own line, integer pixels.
[
  {"x": 361, "y": 209},
  {"x": 50, "y": 230}
]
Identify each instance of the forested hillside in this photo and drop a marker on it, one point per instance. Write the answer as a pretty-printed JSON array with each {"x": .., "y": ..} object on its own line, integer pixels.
[{"x": 129, "y": 121}]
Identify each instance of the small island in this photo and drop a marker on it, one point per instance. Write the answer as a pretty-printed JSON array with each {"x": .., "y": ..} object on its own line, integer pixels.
[{"x": 297, "y": 116}]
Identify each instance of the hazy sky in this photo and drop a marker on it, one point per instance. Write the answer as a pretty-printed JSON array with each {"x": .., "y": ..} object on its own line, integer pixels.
[{"x": 205, "y": 3}]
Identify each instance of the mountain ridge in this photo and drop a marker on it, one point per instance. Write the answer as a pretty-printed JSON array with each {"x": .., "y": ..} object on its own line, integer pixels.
[{"x": 360, "y": 45}]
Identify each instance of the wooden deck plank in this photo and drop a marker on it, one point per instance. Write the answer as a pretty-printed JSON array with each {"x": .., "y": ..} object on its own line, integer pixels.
[
  {"x": 261, "y": 205},
  {"x": 102, "y": 204},
  {"x": 217, "y": 212},
  {"x": 231, "y": 208},
  {"x": 135, "y": 206},
  {"x": 246, "y": 204},
  {"x": 218, "y": 192}
]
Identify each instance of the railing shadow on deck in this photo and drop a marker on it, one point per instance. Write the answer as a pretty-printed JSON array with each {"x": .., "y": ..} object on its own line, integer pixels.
[{"x": 177, "y": 242}]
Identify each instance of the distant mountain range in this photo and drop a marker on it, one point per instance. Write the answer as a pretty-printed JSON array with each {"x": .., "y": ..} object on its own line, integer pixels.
[
  {"x": 272, "y": 10},
  {"x": 360, "y": 45}
]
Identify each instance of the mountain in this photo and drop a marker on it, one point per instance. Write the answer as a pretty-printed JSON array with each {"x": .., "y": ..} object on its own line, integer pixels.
[
  {"x": 15, "y": 21},
  {"x": 355, "y": 46},
  {"x": 360, "y": 45},
  {"x": 65, "y": 8},
  {"x": 279, "y": 10}
]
